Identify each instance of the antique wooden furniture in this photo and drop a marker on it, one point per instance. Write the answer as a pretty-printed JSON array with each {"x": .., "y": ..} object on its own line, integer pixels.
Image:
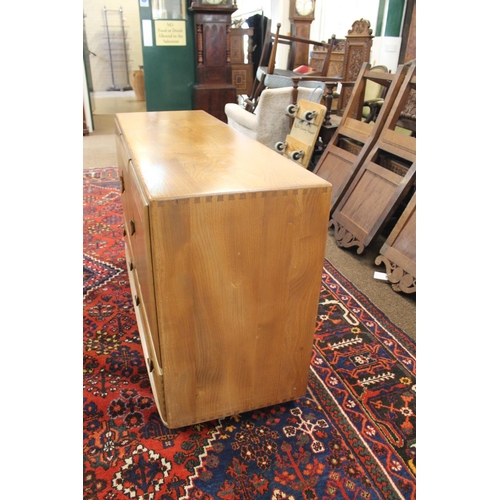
[
  {"x": 408, "y": 50},
  {"x": 214, "y": 87},
  {"x": 399, "y": 251},
  {"x": 346, "y": 59},
  {"x": 353, "y": 138},
  {"x": 301, "y": 17},
  {"x": 357, "y": 51},
  {"x": 383, "y": 180},
  {"x": 225, "y": 243},
  {"x": 268, "y": 76},
  {"x": 241, "y": 60},
  {"x": 336, "y": 63}
]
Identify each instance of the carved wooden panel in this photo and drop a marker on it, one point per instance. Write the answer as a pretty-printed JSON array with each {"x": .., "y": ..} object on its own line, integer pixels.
[
  {"x": 242, "y": 78},
  {"x": 353, "y": 139},
  {"x": 336, "y": 64},
  {"x": 408, "y": 50},
  {"x": 241, "y": 66},
  {"x": 376, "y": 191},
  {"x": 357, "y": 51},
  {"x": 399, "y": 252},
  {"x": 214, "y": 51},
  {"x": 238, "y": 45}
]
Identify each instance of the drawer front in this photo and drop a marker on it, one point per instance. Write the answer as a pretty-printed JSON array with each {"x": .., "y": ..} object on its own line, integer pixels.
[
  {"x": 123, "y": 155},
  {"x": 139, "y": 303},
  {"x": 153, "y": 366},
  {"x": 136, "y": 225},
  {"x": 124, "y": 160}
]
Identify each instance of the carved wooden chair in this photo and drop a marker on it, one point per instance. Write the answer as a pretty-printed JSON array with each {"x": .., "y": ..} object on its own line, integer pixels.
[
  {"x": 343, "y": 64},
  {"x": 385, "y": 177},
  {"x": 268, "y": 76},
  {"x": 357, "y": 51},
  {"x": 353, "y": 138},
  {"x": 336, "y": 63}
]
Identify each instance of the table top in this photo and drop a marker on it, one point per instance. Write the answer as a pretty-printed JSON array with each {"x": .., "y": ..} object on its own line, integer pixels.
[{"x": 181, "y": 154}]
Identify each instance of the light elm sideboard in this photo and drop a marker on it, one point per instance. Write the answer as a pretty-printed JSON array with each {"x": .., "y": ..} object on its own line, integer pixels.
[{"x": 225, "y": 242}]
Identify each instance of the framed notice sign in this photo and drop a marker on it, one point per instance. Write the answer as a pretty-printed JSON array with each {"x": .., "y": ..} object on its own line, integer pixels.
[{"x": 170, "y": 33}]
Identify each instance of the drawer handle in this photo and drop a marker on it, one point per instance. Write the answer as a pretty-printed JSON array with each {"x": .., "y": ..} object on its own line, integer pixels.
[
  {"x": 150, "y": 365},
  {"x": 132, "y": 227},
  {"x": 122, "y": 183},
  {"x": 124, "y": 232},
  {"x": 131, "y": 266},
  {"x": 137, "y": 300}
]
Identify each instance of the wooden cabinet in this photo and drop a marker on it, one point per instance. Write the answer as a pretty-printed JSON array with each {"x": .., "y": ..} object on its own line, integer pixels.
[
  {"x": 225, "y": 241},
  {"x": 214, "y": 86},
  {"x": 241, "y": 64}
]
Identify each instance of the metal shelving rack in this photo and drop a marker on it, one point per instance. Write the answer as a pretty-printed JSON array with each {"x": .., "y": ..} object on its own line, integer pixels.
[{"x": 122, "y": 39}]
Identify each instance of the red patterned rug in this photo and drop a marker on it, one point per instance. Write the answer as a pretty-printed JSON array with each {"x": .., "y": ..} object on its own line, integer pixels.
[{"x": 351, "y": 437}]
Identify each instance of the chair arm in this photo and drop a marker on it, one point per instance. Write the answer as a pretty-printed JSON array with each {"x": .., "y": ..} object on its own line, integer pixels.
[
  {"x": 240, "y": 119},
  {"x": 377, "y": 101}
]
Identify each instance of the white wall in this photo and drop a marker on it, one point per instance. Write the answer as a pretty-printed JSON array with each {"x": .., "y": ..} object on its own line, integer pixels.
[
  {"x": 97, "y": 42},
  {"x": 335, "y": 17}
]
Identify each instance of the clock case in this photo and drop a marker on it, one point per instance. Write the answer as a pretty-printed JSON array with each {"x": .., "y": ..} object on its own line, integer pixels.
[
  {"x": 200, "y": 4},
  {"x": 213, "y": 88},
  {"x": 300, "y": 26}
]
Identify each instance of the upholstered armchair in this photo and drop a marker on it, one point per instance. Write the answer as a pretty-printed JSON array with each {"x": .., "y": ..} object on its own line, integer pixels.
[{"x": 269, "y": 123}]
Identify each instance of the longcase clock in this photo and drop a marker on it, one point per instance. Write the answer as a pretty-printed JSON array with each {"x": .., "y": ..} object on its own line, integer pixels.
[
  {"x": 301, "y": 17},
  {"x": 213, "y": 88}
]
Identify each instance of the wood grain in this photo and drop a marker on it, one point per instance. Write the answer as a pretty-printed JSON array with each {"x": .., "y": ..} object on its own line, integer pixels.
[{"x": 236, "y": 244}]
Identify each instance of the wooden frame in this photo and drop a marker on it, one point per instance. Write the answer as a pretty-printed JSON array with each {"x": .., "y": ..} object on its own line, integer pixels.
[
  {"x": 267, "y": 64},
  {"x": 383, "y": 180},
  {"x": 399, "y": 252},
  {"x": 357, "y": 51},
  {"x": 353, "y": 139}
]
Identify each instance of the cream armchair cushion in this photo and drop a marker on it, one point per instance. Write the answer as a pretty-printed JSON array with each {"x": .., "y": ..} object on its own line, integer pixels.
[{"x": 269, "y": 123}]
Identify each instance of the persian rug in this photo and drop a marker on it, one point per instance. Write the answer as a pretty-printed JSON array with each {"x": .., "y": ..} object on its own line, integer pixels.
[{"x": 351, "y": 437}]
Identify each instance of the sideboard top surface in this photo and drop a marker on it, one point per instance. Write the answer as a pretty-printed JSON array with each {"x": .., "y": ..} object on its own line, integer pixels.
[{"x": 185, "y": 154}]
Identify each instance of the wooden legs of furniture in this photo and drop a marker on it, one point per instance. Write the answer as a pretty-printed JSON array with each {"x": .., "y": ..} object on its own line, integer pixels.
[{"x": 398, "y": 253}]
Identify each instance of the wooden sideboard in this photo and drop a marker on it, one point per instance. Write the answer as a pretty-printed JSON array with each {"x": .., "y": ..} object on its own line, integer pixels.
[{"x": 225, "y": 242}]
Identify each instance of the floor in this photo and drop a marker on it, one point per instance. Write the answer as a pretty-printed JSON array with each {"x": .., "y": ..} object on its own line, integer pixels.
[
  {"x": 110, "y": 102},
  {"x": 99, "y": 152}
]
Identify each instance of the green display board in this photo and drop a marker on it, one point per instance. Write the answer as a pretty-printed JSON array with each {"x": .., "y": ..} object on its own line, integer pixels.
[{"x": 169, "y": 60}]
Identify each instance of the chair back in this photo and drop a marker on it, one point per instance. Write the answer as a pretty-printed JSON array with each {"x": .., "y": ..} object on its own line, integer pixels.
[{"x": 374, "y": 90}]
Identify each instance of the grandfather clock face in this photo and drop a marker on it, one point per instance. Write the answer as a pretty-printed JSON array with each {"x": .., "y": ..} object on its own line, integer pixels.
[{"x": 302, "y": 10}]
